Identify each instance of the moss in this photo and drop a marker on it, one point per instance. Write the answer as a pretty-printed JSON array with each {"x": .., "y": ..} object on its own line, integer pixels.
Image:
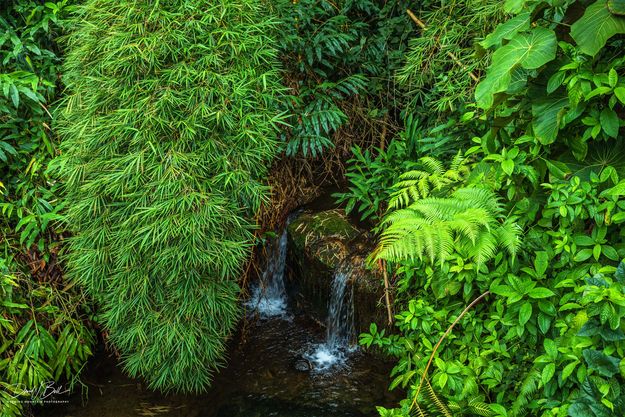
[{"x": 309, "y": 229}]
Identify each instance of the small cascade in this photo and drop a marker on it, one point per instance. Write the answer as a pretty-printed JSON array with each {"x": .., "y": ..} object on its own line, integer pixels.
[
  {"x": 269, "y": 297},
  {"x": 340, "y": 333}
]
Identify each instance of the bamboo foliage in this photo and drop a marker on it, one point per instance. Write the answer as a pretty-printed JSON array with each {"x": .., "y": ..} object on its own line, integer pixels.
[{"x": 167, "y": 128}]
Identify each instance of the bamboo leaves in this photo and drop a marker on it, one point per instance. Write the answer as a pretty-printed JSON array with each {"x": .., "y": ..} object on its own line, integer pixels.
[{"x": 168, "y": 130}]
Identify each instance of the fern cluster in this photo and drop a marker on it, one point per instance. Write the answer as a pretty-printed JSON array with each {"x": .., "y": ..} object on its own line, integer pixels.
[
  {"x": 168, "y": 125},
  {"x": 430, "y": 176},
  {"x": 339, "y": 58},
  {"x": 469, "y": 221}
]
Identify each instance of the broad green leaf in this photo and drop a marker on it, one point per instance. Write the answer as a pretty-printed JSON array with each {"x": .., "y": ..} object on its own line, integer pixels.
[
  {"x": 541, "y": 292},
  {"x": 568, "y": 369},
  {"x": 507, "y": 30},
  {"x": 544, "y": 322},
  {"x": 610, "y": 122},
  {"x": 582, "y": 255},
  {"x": 583, "y": 240},
  {"x": 601, "y": 363},
  {"x": 499, "y": 409},
  {"x": 525, "y": 313},
  {"x": 558, "y": 169},
  {"x": 617, "y": 7},
  {"x": 541, "y": 263},
  {"x": 555, "y": 81},
  {"x": 619, "y": 92},
  {"x": 548, "y": 372},
  {"x": 595, "y": 27},
  {"x": 609, "y": 252},
  {"x": 15, "y": 96},
  {"x": 513, "y": 6},
  {"x": 596, "y": 252},
  {"x": 528, "y": 51},
  {"x": 548, "y": 113},
  {"x": 612, "y": 77},
  {"x": 508, "y": 166},
  {"x": 551, "y": 348},
  {"x": 617, "y": 191},
  {"x": 503, "y": 290}
]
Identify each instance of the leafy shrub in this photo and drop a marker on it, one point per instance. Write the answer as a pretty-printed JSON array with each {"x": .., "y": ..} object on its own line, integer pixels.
[
  {"x": 167, "y": 128},
  {"x": 340, "y": 57},
  {"x": 43, "y": 337},
  {"x": 547, "y": 338},
  {"x": 28, "y": 78}
]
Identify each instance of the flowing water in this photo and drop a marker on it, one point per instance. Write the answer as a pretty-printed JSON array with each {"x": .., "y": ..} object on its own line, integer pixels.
[
  {"x": 269, "y": 296},
  {"x": 279, "y": 365},
  {"x": 267, "y": 376},
  {"x": 340, "y": 332}
]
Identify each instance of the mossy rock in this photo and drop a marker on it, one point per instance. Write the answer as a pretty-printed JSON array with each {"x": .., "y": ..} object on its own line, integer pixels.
[
  {"x": 319, "y": 244},
  {"x": 324, "y": 236}
]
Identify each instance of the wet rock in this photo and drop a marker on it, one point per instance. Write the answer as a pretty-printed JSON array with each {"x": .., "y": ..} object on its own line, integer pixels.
[
  {"x": 320, "y": 243},
  {"x": 323, "y": 236},
  {"x": 303, "y": 365}
]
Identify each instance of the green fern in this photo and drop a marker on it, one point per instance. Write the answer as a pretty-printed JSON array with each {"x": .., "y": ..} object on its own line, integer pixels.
[
  {"x": 527, "y": 389},
  {"x": 439, "y": 405},
  {"x": 421, "y": 183},
  {"x": 430, "y": 404},
  {"x": 479, "y": 408},
  {"x": 470, "y": 222}
]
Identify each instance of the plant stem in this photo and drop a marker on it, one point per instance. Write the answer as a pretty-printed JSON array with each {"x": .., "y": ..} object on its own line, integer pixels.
[{"x": 449, "y": 329}]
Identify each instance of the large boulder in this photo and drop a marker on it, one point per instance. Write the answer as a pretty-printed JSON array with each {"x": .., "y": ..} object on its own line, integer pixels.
[{"x": 319, "y": 244}]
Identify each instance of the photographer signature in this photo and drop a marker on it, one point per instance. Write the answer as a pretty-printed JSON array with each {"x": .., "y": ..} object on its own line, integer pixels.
[{"x": 41, "y": 392}]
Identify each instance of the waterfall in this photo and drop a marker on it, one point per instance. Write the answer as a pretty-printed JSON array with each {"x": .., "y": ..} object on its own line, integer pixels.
[
  {"x": 269, "y": 297},
  {"x": 340, "y": 321},
  {"x": 339, "y": 324}
]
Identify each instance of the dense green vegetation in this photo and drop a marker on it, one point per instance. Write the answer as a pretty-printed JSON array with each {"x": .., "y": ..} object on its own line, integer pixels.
[
  {"x": 484, "y": 146},
  {"x": 167, "y": 128},
  {"x": 546, "y": 337},
  {"x": 44, "y": 329}
]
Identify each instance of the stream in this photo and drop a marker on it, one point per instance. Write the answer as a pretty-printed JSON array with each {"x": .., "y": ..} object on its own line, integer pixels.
[{"x": 282, "y": 363}]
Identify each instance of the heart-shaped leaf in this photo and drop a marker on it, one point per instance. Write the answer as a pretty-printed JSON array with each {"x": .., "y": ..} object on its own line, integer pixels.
[
  {"x": 595, "y": 27},
  {"x": 525, "y": 50}
]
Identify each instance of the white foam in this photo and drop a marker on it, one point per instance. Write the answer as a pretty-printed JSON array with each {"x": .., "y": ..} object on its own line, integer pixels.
[
  {"x": 323, "y": 357},
  {"x": 265, "y": 305}
]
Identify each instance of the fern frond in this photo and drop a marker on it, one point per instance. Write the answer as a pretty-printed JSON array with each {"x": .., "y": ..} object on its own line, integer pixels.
[
  {"x": 480, "y": 408},
  {"x": 430, "y": 177},
  {"x": 468, "y": 222},
  {"x": 419, "y": 412},
  {"x": 438, "y": 404},
  {"x": 527, "y": 389}
]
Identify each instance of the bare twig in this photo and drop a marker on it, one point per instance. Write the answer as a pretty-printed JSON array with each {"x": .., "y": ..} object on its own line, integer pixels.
[
  {"x": 449, "y": 53},
  {"x": 449, "y": 329},
  {"x": 387, "y": 296}
]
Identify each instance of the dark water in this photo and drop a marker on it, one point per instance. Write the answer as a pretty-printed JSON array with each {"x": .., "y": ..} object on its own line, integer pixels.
[{"x": 261, "y": 379}]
